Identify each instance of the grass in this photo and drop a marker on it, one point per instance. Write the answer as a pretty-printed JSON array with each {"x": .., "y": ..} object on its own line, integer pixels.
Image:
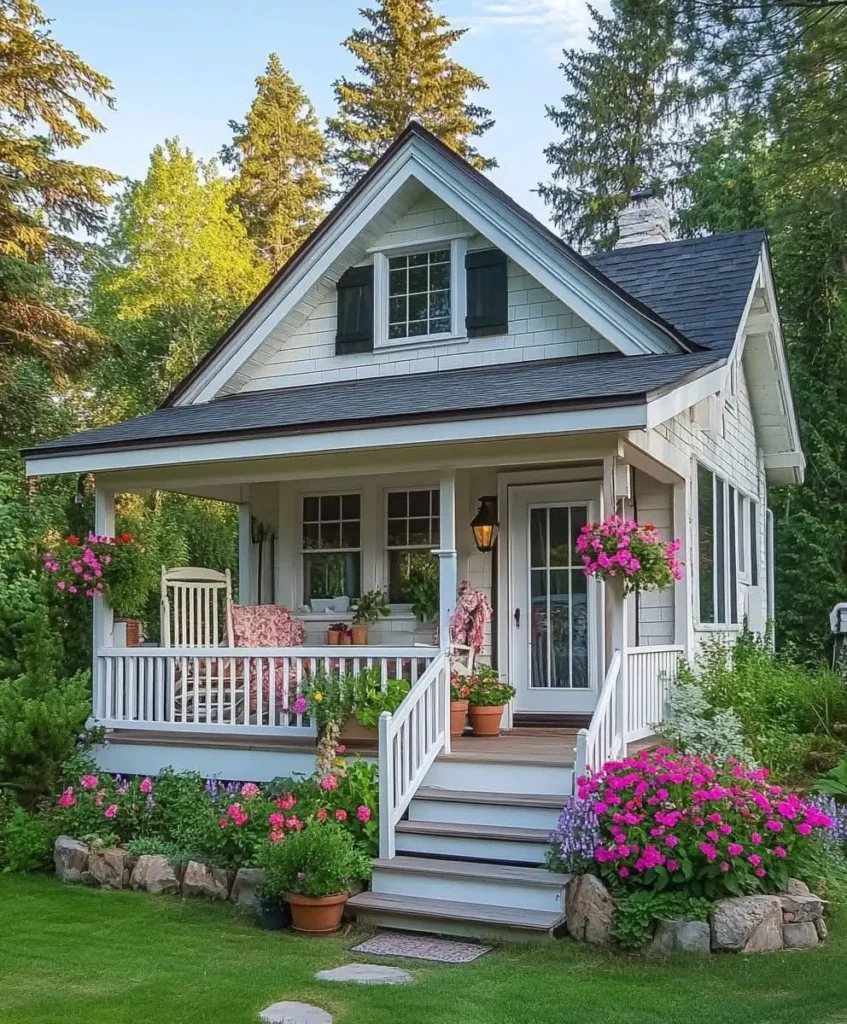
[{"x": 77, "y": 955}]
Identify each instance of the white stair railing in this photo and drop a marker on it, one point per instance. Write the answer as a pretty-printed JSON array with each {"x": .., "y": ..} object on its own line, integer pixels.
[
  {"x": 409, "y": 741},
  {"x": 603, "y": 739},
  {"x": 650, "y": 672}
]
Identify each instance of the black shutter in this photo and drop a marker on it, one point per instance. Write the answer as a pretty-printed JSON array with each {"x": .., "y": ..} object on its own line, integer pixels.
[
  {"x": 488, "y": 293},
  {"x": 355, "y": 325}
]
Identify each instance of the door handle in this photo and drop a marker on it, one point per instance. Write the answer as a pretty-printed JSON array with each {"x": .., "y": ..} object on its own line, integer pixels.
[{"x": 518, "y": 617}]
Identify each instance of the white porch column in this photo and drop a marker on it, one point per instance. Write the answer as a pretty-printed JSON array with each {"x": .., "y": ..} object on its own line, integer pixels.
[
  {"x": 104, "y": 526},
  {"x": 447, "y": 574},
  {"x": 245, "y": 554}
]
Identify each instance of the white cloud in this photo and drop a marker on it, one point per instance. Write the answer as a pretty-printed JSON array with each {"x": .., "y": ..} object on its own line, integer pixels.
[{"x": 568, "y": 19}]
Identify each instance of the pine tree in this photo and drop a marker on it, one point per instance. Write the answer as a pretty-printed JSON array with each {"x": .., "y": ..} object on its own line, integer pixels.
[
  {"x": 618, "y": 118},
  {"x": 44, "y": 198},
  {"x": 402, "y": 57},
  {"x": 280, "y": 156}
]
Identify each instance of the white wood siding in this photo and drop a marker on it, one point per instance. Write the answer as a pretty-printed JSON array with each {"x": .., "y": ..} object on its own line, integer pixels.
[
  {"x": 540, "y": 326},
  {"x": 655, "y": 609}
]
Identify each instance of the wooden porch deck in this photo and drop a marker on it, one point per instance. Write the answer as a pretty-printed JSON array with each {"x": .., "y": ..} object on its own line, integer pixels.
[{"x": 553, "y": 747}]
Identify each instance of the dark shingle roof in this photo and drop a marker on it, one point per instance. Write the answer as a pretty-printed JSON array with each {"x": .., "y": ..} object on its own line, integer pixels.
[
  {"x": 444, "y": 394},
  {"x": 699, "y": 285}
]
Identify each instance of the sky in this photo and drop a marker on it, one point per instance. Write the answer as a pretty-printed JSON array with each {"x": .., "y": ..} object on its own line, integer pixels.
[{"x": 186, "y": 67}]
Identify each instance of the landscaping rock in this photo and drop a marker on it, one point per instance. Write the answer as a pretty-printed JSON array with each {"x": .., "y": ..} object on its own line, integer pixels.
[
  {"x": 749, "y": 924},
  {"x": 155, "y": 874},
  {"x": 366, "y": 974},
  {"x": 801, "y": 908},
  {"x": 797, "y": 888},
  {"x": 821, "y": 928},
  {"x": 106, "y": 868},
  {"x": 295, "y": 1013},
  {"x": 802, "y": 935},
  {"x": 589, "y": 910},
  {"x": 247, "y": 881},
  {"x": 678, "y": 936},
  {"x": 70, "y": 858},
  {"x": 201, "y": 880}
]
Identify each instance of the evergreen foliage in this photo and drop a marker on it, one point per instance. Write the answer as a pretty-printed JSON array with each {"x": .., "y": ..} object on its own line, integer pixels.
[
  {"x": 406, "y": 74},
  {"x": 280, "y": 156}
]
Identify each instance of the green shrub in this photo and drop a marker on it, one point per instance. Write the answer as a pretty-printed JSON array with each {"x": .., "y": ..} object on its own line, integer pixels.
[
  {"x": 638, "y": 913},
  {"x": 41, "y": 715},
  {"x": 694, "y": 726},
  {"x": 28, "y": 841},
  {"x": 320, "y": 860}
]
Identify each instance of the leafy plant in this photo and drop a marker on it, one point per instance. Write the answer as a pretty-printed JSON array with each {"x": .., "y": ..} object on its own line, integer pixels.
[
  {"x": 370, "y": 607},
  {"x": 370, "y": 700},
  {"x": 320, "y": 860},
  {"x": 694, "y": 726},
  {"x": 488, "y": 689},
  {"x": 638, "y": 913},
  {"x": 421, "y": 589},
  {"x": 833, "y": 783},
  {"x": 459, "y": 687},
  {"x": 28, "y": 841},
  {"x": 328, "y": 694},
  {"x": 620, "y": 548}
]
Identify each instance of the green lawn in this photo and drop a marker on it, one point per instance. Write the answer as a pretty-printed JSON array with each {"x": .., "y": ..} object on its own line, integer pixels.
[{"x": 69, "y": 954}]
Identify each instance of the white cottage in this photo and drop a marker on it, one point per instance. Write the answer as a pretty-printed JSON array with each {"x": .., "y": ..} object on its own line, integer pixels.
[{"x": 429, "y": 347}]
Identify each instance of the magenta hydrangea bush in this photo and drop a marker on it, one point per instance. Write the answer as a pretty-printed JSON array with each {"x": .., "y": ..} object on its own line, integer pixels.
[
  {"x": 621, "y": 548},
  {"x": 666, "y": 819}
]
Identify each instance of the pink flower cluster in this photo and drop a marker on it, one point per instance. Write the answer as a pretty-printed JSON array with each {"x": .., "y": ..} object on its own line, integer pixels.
[
  {"x": 684, "y": 819},
  {"x": 620, "y": 547},
  {"x": 80, "y": 567},
  {"x": 235, "y": 815}
]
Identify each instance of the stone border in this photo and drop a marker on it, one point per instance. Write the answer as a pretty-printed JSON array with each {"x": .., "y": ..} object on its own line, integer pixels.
[
  {"x": 741, "y": 924},
  {"x": 114, "y": 868}
]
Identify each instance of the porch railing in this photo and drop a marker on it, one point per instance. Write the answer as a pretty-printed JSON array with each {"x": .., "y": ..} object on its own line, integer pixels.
[
  {"x": 409, "y": 741},
  {"x": 228, "y": 690},
  {"x": 650, "y": 671},
  {"x": 631, "y": 703}
]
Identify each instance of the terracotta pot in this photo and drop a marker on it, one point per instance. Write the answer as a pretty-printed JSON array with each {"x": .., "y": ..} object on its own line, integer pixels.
[
  {"x": 345, "y": 640},
  {"x": 133, "y": 632},
  {"x": 316, "y": 915},
  {"x": 485, "y": 721},
  {"x": 458, "y": 716},
  {"x": 360, "y": 635},
  {"x": 333, "y": 637},
  {"x": 352, "y": 732}
]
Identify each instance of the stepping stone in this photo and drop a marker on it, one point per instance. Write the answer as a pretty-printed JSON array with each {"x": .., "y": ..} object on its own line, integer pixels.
[
  {"x": 366, "y": 974},
  {"x": 295, "y": 1013}
]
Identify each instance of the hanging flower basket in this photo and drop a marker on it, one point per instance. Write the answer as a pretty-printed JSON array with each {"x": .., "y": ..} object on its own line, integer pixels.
[{"x": 620, "y": 549}]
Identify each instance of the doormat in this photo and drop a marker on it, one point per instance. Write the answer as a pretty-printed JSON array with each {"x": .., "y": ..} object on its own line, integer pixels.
[{"x": 420, "y": 947}]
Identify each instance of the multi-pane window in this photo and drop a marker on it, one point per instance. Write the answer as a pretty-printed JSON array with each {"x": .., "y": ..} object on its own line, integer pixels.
[
  {"x": 332, "y": 558},
  {"x": 419, "y": 294},
  {"x": 726, "y": 547},
  {"x": 412, "y": 531}
]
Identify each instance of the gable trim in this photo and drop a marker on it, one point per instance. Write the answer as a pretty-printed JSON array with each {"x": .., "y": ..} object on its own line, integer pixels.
[{"x": 631, "y": 326}]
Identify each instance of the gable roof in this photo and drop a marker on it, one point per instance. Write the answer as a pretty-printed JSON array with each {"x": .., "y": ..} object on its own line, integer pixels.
[
  {"x": 700, "y": 285},
  {"x": 610, "y": 380},
  {"x": 537, "y": 242}
]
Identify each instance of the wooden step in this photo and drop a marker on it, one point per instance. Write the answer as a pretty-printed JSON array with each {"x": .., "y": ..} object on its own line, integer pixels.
[
  {"x": 460, "y": 796},
  {"x": 473, "y": 869},
  {"x": 451, "y": 917},
  {"x": 466, "y": 831}
]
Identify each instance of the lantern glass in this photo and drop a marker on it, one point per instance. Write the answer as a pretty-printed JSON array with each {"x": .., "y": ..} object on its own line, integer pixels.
[{"x": 484, "y": 525}]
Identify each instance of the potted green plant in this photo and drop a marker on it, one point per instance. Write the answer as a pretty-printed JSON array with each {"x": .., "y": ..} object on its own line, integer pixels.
[
  {"x": 488, "y": 694},
  {"x": 312, "y": 871},
  {"x": 459, "y": 692},
  {"x": 272, "y": 913},
  {"x": 368, "y": 703},
  {"x": 421, "y": 589},
  {"x": 369, "y": 608}
]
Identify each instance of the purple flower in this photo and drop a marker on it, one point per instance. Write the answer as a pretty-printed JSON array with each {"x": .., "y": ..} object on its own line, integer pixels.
[{"x": 577, "y": 834}]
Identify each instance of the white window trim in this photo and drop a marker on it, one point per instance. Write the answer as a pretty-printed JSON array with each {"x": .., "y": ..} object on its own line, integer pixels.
[
  {"x": 726, "y": 625},
  {"x": 401, "y": 607},
  {"x": 303, "y": 551},
  {"x": 742, "y": 530},
  {"x": 458, "y": 294}
]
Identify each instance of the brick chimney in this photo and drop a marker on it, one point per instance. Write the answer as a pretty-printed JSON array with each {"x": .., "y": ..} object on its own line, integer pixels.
[{"x": 645, "y": 221}]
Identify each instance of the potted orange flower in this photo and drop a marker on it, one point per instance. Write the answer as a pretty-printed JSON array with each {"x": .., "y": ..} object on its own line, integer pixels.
[
  {"x": 459, "y": 693},
  {"x": 489, "y": 694}
]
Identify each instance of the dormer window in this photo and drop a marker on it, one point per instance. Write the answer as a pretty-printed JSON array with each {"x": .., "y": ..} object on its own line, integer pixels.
[{"x": 419, "y": 294}]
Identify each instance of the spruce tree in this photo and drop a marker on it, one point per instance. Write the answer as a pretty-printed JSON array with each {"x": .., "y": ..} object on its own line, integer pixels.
[
  {"x": 45, "y": 198},
  {"x": 402, "y": 55},
  {"x": 619, "y": 118},
  {"x": 280, "y": 156}
]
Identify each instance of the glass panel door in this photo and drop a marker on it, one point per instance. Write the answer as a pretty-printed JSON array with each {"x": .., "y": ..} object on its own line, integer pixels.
[{"x": 558, "y": 599}]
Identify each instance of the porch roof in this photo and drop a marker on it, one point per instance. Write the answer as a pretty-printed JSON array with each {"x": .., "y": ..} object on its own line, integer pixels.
[{"x": 510, "y": 388}]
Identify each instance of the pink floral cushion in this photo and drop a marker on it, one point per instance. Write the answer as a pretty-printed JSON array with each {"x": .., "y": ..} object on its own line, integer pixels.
[{"x": 267, "y": 625}]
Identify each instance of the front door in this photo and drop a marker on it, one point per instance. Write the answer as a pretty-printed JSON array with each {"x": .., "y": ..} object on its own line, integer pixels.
[{"x": 554, "y": 615}]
